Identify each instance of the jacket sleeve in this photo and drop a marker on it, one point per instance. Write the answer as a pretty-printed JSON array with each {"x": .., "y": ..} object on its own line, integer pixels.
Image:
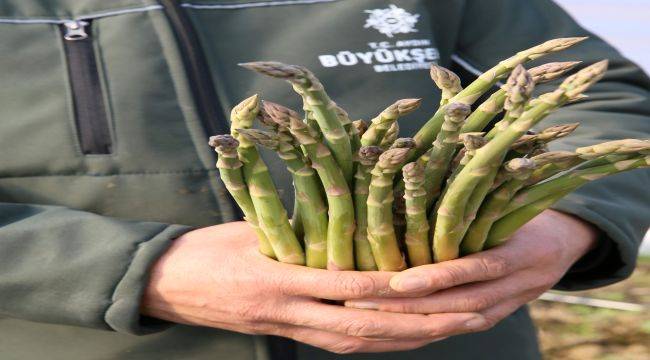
[
  {"x": 618, "y": 107},
  {"x": 64, "y": 266}
]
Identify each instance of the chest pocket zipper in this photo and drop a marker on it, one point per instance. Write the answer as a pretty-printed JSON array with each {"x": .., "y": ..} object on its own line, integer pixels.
[{"x": 87, "y": 96}]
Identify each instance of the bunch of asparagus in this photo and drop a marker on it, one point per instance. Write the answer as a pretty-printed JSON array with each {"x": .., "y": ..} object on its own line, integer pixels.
[{"x": 368, "y": 200}]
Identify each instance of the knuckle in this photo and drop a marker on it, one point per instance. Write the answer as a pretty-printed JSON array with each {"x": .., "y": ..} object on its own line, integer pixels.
[
  {"x": 495, "y": 265},
  {"x": 362, "y": 328},
  {"x": 357, "y": 286},
  {"x": 477, "y": 303},
  {"x": 450, "y": 276}
]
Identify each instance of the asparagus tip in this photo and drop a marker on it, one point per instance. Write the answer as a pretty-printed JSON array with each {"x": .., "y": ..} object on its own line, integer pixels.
[
  {"x": 275, "y": 69},
  {"x": 457, "y": 110},
  {"x": 405, "y": 106},
  {"x": 368, "y": 155},
  {"x": 406, "y": 142},
  {"x": 393, "y": 157},
  {"x": 223, "y": 142},
  {"x": 361, "y": 126},
  {"x": 520, "y": 164},
  {"x": 262, "y": 138},
  {"x": 445, "y": 79}
]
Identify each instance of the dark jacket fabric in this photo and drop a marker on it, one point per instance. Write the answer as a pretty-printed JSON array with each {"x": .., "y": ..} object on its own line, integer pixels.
[{"x": 104, "y": 161}]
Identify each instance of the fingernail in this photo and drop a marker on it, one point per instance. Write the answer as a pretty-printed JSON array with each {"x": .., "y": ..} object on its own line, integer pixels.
[
  {"x": 475, "y": 323},
  {"x": 410, "y": 283},
  {"x": 368, "y": 305}
]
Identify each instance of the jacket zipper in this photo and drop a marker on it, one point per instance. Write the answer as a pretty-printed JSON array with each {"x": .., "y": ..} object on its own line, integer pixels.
[
  {"x": 207, "y": 103},
  {"x": 87, "y": 95}
]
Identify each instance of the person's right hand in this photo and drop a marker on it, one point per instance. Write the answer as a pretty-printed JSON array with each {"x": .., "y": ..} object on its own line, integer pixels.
[{"x": 216, "y": 277}]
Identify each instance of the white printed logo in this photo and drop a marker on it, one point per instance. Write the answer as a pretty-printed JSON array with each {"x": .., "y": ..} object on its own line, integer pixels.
[{"x": 391, "y": 21}]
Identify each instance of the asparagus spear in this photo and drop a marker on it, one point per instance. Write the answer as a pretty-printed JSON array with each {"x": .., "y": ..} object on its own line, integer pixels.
[
  {"x": 381, "y": 233},
  {"x": 323, "y": 109},
  {"x": 443, "y": 150},
  {"x": 519, "y": 89},
  {"x": 399, "y": 206},
  {"x": 340, "y": 229},
  {"x": 553, "y": 163},
  {"x": 231, "y": 174},
  {"x": 403, "y": 143},
  {"x": 361, "y": 127},
  {"x": 483, "y": 83},
  {"x": 271, "y": 214},
  {"x": 485, "y": 112},
  {"x": 447, "y": 81},
  {"x": 380, "y": 125},
  {"x": 368, "y": 156},
  {"x": 526, "y": 143},
  {"x": 560, "y": 187},
  {"x": 417, "y": 226},
  {"x": 520, "y": 170},
  {"x": 450, "y": 224},
  {"x": 307, "y": 186},
  {"x": 390, "y": 136},
  {"x": 604, "y": 156}
]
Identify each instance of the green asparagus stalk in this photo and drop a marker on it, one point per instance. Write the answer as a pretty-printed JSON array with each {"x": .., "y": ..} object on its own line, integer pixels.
[
  {"x": 307, "y": 186},
  {"x": 606, "y": 158},
  {"x": 553, "y": 163},
  {"x": 447, "y": 81},
  {"x": 341, "y": 225},
  {"x": 271, "y": 214},
  {"x": 323, "y": 109},
  {"x": 526, "y": 143},
  {"x": 556, "y": 189},
  {"x": 489, "y": 109},
  {"x": 231, "y": 174},
  {"x": 519, "y": 89},
  {"x": 399, "y": 206},
  {"x": 390, "y": 137},
  {"x": 417, "y": 226},
  {"x": 443, "y": 150},
  {"x": 381, "y": 233},
  {"x": 483, "y": 83},
  {"x": 380, "y": 125},
  {"x": 520, "y": 170},
  {"x": 450, "y": 224},
  {"x": 368, "y": 156}
]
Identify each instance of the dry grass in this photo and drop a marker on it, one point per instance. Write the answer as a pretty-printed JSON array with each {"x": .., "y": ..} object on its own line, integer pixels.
[{"x": 579, "y": 332}]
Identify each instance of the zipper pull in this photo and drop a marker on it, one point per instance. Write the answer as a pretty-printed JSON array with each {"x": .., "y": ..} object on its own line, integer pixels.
[{"x": 75, "y": 30}]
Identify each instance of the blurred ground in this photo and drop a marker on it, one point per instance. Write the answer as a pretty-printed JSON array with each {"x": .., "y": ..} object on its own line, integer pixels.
[{"x": 577, "y": 332}]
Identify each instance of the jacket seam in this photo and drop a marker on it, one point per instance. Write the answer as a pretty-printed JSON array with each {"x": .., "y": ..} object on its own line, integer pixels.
[
  {"x": 137, "y": 173},
  {"x": 96, "y": 15},
  {"x": 253, "y": 4}
]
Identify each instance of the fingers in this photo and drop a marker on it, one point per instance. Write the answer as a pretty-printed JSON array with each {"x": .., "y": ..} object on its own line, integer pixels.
[
  {"x": 332, "y": 285},
  {"x": 466, "y": 298},
  {"x": 375, "y": 324},
  {"x": 344, "y": 344},
  {"x": 487, "y": 265}
]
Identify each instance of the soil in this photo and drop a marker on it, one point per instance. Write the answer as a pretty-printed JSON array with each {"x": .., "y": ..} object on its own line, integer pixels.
[{"x": 569, "y": 332}]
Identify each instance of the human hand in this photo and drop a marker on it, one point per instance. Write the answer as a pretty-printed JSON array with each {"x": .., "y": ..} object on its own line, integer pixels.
[
  {"x": 495, "y": 282},
  {"x": 216, "y": 277}
]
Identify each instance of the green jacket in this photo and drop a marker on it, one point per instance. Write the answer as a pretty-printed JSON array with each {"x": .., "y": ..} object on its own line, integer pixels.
[{"x": 104, "y": 161}]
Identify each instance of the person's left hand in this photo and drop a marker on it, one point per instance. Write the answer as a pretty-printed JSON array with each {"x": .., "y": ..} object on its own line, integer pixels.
[{"x": 495, "y": 282}]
